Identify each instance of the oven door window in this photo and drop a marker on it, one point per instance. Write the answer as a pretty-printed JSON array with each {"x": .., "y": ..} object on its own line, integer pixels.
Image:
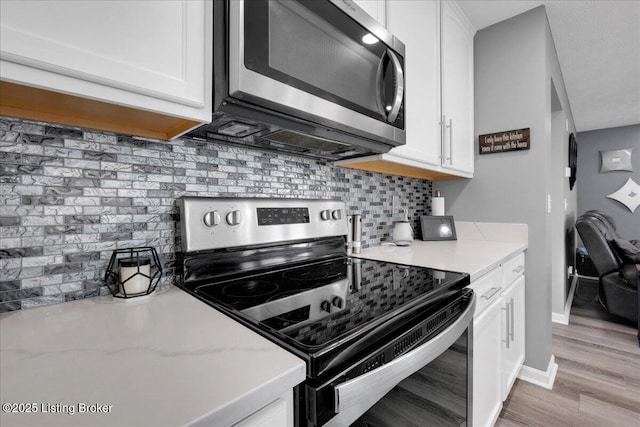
[
  {"x": 315, "y": 47},
  {"x": 435, "y": 395}
]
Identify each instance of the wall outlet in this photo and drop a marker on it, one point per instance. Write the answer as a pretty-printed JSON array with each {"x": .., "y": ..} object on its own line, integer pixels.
[
  {"x": 548, "y": 203},
  {"x": 395, "y": 204}
]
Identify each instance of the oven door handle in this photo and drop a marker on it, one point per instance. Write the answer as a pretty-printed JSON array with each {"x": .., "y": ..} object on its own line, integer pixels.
[{"x": 359, "y": 394}]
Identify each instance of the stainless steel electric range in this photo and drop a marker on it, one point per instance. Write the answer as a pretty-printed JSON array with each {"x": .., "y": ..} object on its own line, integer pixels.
[{"x": 384, "y": 343}]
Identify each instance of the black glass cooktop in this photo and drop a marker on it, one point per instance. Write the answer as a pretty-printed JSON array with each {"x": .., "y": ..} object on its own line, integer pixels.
[
  {"x": 252, "y": 290},
  {"x": 318, "y": 305}
]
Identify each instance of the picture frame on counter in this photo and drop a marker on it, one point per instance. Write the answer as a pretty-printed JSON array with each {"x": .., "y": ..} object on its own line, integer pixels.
[{"x": 438, "y": 228}]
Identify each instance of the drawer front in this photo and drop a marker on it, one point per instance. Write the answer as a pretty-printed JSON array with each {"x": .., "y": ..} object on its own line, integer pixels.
[
  {"x": 513, "y": 268},
  {"x": 274, "y": 414},
  {"x": 487, "y": 288}
]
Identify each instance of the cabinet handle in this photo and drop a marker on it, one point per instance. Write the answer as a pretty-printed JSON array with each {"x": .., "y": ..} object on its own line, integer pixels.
[
  {"x": 442, "y": 152},
  {"x": 511, "y": 333},
  {"x": 507, "y": 341},
  {"x": 518, "y": 269},
  {"x": 491, "y": 292},
  {"x": 450, "y": 158}
]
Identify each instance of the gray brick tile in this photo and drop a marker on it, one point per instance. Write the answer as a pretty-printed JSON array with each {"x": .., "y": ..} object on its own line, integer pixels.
[{"x": 120, "y": 192}]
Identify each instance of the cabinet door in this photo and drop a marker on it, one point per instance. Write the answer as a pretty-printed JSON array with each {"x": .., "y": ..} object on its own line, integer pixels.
[
  {"x": 417, "y": 25},
  {"x": 487, "y": 380},
  {"x": 512, "y": 334},
  {"x": 375, "y": 8},
  {"x": 457, "y": 89},
  {"x": 277, "y": 413},
  {"x": 155, "y": 49}
]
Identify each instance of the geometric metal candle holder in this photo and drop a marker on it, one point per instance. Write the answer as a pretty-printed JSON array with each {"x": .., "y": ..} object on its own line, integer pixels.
[{"x": 133, "y": 272}]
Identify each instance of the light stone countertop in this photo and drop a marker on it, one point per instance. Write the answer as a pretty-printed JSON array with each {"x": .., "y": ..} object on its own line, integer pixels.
[
  {"x": 480, "y": 248},
  {"x": 166, "y": 360}
]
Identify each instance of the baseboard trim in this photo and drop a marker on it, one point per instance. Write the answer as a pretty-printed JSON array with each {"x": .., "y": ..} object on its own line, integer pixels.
[
  {"x": 563, "y": 318},
  {"x": 540, "y": 378}
]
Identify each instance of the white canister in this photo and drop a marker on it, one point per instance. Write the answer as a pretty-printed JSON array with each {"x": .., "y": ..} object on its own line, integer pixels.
[
  {"x": 135, "y": 275},
  {"x": 437, "y": 204}
]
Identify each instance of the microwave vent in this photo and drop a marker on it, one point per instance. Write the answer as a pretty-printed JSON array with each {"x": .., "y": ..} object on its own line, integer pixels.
[
  {"x": 296, "y": 139},
  {"x": 238, "y": 129}
]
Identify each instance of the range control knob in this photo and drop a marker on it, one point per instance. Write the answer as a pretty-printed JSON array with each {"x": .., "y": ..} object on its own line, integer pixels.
[
  {"x": 336, "y": 214},
  {"x": 338, "y": 302},
  {"x": 325, "y": 215},
  {"x": 211, "y": 218},
  {"x": 234, "y": 218},
  {"x": 325, "y": 306}
]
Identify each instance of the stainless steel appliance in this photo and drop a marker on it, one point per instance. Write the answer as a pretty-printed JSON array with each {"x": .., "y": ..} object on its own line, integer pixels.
[
  {"x": 318, "y": 78},
  {"x": 371, "y": 333}
]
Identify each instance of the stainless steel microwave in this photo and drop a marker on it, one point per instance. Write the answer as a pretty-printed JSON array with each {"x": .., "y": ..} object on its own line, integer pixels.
[{"x": 319, "y": 78}]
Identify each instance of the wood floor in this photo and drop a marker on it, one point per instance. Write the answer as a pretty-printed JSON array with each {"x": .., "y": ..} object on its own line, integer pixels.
[{"x": 598, "y": 380}]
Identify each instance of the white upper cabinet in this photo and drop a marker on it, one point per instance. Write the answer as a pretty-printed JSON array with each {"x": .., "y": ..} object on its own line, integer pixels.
[
  {"x": 153, "y": 56},
  {"x": 457, "y": 89},
  {"x": 375, "y": 8},
  {"x": 417, "y": 25},
  {"x": 439, "y": 92}
]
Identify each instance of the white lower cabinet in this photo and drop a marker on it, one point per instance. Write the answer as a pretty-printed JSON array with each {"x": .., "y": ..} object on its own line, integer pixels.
[
  {"x": 512, "y": 334},
  {"x": 498, "y": 338},
  {"x": 277, "y": 413},
  {"x": 487, "y": 384}
]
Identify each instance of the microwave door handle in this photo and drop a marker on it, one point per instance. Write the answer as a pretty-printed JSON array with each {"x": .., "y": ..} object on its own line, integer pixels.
[
  {"x": 399, "y": 78},
  {"x": 379, "y": 83},
  {"x": 359, "y": 394}
]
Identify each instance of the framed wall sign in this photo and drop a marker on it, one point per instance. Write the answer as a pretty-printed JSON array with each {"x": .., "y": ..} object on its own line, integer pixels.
[
  {"x": 508, "y": 140},
  {"x": 438, "y": 228}
]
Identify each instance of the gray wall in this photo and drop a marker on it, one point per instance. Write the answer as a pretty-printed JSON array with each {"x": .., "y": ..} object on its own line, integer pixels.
[
  {"x": 514, "y": 68},
  {"x": 69, "y": 197},
  {"x": 594, "y": 186}
]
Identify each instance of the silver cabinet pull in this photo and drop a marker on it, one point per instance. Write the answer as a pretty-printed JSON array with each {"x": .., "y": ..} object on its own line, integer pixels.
[
  {"x": 511, "y": 313},
  {"x": 442, "y": 151},
  {"x": 507, "y": 341},
  {"x": 450, "y": 158},
  {"x": 518, "y": 269},
  {"x": 491, "y": 292}
]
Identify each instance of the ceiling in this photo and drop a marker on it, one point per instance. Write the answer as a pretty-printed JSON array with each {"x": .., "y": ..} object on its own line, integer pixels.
[{"x": 598, "y": 45}]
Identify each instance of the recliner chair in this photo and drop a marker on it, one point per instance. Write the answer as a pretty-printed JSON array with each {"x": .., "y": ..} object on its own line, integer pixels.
[
  {"x": 618, "y": 279},
  {"x": 611, "y": 226}
]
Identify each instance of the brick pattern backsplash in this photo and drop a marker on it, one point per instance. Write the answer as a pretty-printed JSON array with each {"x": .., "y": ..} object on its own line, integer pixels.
[{"x": 70, "y": 196}]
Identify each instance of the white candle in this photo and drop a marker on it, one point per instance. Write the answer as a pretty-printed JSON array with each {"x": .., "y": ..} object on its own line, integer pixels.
[{"x": 134, "y": 275}]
